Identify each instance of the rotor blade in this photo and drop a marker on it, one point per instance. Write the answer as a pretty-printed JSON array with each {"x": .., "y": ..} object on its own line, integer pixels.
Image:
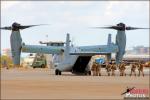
[
  {"x": 5, "y": 28},
  {"x": 28, "y": 26},
  {"x": 134, "y": 28},
  {"x": 110, "y": 27}
]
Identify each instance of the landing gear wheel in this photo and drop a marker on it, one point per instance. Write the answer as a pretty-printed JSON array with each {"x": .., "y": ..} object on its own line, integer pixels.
[
  {"x": 57, "y": 72},
  {"x": 42, "y": 66},
  {"x": 89, "y": 72}
]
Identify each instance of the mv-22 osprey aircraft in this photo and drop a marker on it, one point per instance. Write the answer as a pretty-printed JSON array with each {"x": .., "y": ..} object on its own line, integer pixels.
[{"x": 75, "y": 59}]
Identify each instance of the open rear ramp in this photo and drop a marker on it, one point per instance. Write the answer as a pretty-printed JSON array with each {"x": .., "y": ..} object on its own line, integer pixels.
[{"x": 81, "y": 64}]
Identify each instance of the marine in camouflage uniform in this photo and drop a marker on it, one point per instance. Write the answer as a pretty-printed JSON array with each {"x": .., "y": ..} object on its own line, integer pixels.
[
  {"x": 133, "y": 69},
  {"x": 98, "y": 70},
  {"x": 113, "y": 68},
  {"x": 94, "y": 68},
  {"x": 140, "y": 68},
  {"x": 108, "y": 69},
  {"x": 122, "y": 69}
]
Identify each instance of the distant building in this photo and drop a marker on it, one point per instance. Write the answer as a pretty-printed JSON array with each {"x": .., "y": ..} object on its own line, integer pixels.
[
  {"x": 27, "y": 61},
  {"x": 7, "y": 52},
  {"x": 139, "y": 50}
]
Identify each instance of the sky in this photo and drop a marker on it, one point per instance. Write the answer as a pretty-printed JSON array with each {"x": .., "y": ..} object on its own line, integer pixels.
[{"x": 76, "y": 18}]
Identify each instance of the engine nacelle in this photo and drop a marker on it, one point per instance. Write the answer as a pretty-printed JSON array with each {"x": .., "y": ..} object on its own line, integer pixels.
[
  {"x": 16, "y": 41},
  {"x": 121, "y": 43}
]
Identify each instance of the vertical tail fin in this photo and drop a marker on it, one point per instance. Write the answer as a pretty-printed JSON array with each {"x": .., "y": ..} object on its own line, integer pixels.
[
  {"x": 109, "y": 39},
  {"x": 68, "y": 40},
  {"x": 67, "y": 49},
  {"x": 108, "y": 43}
]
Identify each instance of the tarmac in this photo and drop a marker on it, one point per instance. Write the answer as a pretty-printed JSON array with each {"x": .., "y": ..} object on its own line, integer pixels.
[{"x": 44, "y": 84}]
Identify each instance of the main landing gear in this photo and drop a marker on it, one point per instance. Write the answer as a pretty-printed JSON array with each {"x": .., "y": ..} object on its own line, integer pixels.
[
  {"x": 57, "y": 72},
  {"x": 88, "y": 73}
]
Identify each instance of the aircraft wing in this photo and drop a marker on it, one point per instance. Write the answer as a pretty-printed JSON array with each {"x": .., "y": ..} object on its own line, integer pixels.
[
  {"x": 100, "y": 48},
  {"x": 81, "y": 50},
  {"x": 95, "y": 50},
  {"x": 42, "y": 49}
]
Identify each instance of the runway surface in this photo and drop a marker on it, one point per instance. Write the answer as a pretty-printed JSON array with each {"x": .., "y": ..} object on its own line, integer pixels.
[{"x": 43, "y": 84}]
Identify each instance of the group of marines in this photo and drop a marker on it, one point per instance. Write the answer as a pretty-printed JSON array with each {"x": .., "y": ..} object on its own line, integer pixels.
[{"x": 111, "y": 67}]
